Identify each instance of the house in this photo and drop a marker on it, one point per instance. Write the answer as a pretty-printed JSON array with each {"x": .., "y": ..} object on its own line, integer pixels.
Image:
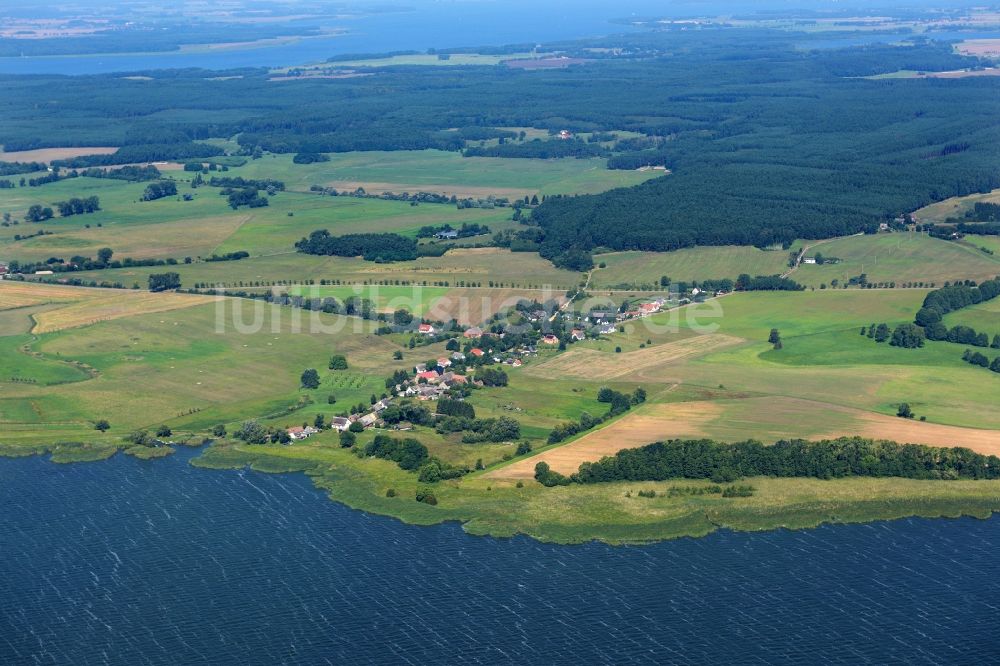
[
  {"x": 477, "y": 352},
  {"x": 517, "y": 363},
  {"x": 299, "y": 432},
  {"x": 3, "y": 269},
  {"x": 428, "y": 375},
  {"x": 44, "y": 273},
  {"x": 369, "y": 420},
  {"x": 458, "y": 356},
  {"x": 380, "y": 406},
  {"x": 607, "y": 329},
  {"x": 420, "y": 367},
  {"x": 340, "y": 423},
  {"x": 809, "y": 260},
  {"x": 565, "y": 134},
  {"x": 444, "y": 363},
  {"x": 601, "y": 316},
  {"x": 649, "y": 308},
  {"x": 550, "y": 339},
  {"x": 458, "y": 379},
  {"x": 425, "y": 329},
  {"x": 578, "y": 334},
  {"x": 883, "y": 226},
  {"x": 446, "y": 235},
  {"x": 474, "y": 332}
]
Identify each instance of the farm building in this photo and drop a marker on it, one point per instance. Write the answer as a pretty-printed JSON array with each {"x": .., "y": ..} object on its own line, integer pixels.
[
  {"x": 446, "y": 235},
  {"x": 340, "y": 423},
  {"x": 300, "y": 432},
  {"x": 474, "y": 332},
  {"x": 425, "y": 329}
]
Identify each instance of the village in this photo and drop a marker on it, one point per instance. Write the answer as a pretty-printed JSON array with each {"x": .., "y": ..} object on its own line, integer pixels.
[{"x": 470, "y": 367}]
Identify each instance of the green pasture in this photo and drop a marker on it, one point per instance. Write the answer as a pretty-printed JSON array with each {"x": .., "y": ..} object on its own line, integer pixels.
[
  {"x": 697, "y": 263},
  {"x": 897, "y": 257},
  {"x": 985, "y": 318},
  {"x": 436, "y": 170}
]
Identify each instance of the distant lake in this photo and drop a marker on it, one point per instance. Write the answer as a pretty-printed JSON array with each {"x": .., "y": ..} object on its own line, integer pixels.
[
  {"x": 449, "y": 23},
  {"x": 133, "y": 562}
]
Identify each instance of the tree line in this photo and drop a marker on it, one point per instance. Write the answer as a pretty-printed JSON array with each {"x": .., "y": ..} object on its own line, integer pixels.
[{"x": 826, "y": 459}]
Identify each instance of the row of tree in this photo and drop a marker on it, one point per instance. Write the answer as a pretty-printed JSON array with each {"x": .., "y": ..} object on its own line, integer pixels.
[{"x": 827, "y": 459}]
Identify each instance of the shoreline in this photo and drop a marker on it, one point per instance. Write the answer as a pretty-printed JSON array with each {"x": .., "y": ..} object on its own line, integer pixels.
[{"x": 609, "y": 513}]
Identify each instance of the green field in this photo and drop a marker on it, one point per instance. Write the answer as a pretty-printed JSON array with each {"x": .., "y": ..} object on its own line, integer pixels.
[
  {"x": 174, "y": 228},
  {"x": 900, "y": 258},
  {"x": 985, "y": 318},
  {"x": 697, "y": 263},
  {"x": 445, "y": 172},
  {"x": 175, "y": 367}
]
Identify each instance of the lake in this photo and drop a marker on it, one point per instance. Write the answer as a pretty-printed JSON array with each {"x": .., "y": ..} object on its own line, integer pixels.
[
  {"x": 135, "y": 562},
  {"x": 448, "y": 23}
]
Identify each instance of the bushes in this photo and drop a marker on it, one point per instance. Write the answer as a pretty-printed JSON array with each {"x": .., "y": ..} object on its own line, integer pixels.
[
  {"x": 159, "y": 190},
  {"x": 458, "y": 408},
  {"x": 907, "y": 336},
  {"x": 545, "y": 476},
  {"x": 164, "y": 281},
  {"x": 408, "y": 453}
]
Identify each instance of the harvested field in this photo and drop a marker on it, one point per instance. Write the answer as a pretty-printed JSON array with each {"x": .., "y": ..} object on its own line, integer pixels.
[
  {"x": 21, "y": 294},
  {"x": 595, "y": 365},
  {"x": 989, "y": 48},
  {"x": 105, "y": 305},
  {"x": 49, "y": 154},
  {"x": 767, "y": 419},
  {"x": 909, "y": 431},
  {"x": 685, "y": 419}
]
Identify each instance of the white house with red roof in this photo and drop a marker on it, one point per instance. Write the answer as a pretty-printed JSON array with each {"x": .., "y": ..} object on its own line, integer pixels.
[{"x": 425, "y": 329}]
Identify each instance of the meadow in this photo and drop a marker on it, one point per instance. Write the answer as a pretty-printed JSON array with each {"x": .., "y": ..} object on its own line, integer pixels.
[
  {"x": 697, "y": 263},
  {"x": 905, "y": 257},
  {"x": 445, "y": 173}
]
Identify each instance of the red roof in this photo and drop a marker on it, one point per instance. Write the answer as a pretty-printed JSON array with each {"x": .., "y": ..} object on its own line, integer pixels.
[
  {"x": 424, "y": 328},
  {"x": 477, "y": 352},
  {"x": 430, "y": 374}
]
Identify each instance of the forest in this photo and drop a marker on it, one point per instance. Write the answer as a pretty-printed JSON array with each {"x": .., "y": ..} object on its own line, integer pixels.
[
  {"x": 767, "y": 142},
  {"x": 827, "y": 459}
]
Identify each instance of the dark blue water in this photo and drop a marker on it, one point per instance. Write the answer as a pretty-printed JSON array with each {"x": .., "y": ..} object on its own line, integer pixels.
[{"x": 131, "y": 562}]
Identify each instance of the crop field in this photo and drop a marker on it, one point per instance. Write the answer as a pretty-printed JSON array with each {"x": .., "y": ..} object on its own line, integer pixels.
[
  {"x": 445, "y": 173},
  {"x": 698, "y": 263},
  {"x": 899, "y": 258},
  {"x": 588, "y": 363}
]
